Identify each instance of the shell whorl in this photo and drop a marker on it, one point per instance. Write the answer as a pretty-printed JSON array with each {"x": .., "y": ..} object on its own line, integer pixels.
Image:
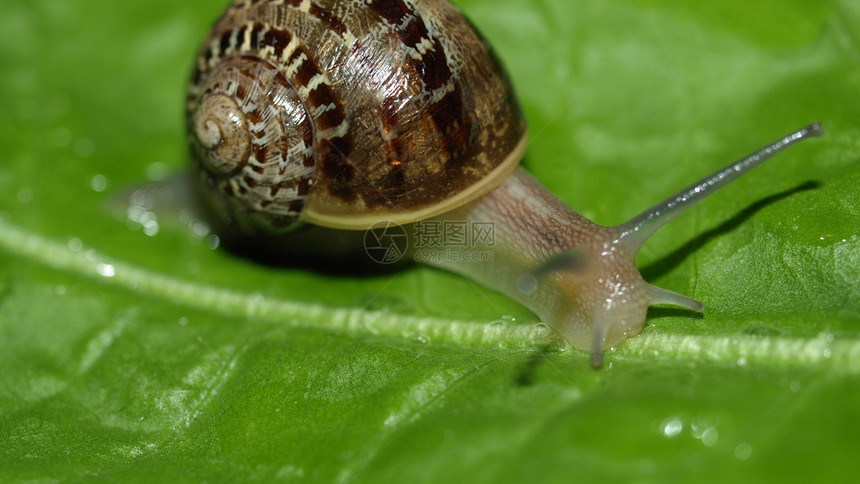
[
  {"x": 221, "y": 130},
  {"x": 344, "y": 112},
  {"x": 253, "y": 138}
]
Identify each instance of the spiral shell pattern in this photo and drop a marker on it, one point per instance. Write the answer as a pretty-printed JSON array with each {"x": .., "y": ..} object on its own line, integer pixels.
[{"x": 344, "y": 112}]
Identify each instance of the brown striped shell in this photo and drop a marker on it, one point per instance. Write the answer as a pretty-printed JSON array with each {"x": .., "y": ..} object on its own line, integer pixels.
[{"x": 342, "y": 113}]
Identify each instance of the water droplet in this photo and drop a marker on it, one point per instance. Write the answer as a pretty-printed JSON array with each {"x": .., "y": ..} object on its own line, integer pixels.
[
  {"x": 198, "y": 231},
  {"x": 742, "y": 361},
  {"x": 794, "y": 386},
  {"x": 743, "y": 451},
  {"x": 105, "y": 270},
  {"x": 141, "y": 198},
  {"x": 183, "y": 321},
  {"x": 672, "y": 427},
  {"x": 60, "y": 290},
  {"x": 99, "y": 183},
  {"x": 139, "y": 216},
  {"x": 150, "y": 228},
  {"x": 75, "y": 244},
  {"x": 710, "y": 436}
]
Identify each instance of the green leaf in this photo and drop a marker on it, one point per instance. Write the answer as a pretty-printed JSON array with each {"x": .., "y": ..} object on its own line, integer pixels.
[{"x": 134, "y": 356}]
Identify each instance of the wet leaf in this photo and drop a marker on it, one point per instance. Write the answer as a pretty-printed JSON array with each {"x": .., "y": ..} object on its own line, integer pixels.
[{"x": 135, "y": 351}]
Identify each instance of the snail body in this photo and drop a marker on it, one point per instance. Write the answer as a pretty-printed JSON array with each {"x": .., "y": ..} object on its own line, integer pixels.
[{"x": 343, "y": 113}]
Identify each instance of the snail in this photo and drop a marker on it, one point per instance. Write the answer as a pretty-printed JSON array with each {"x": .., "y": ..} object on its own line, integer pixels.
[{"x": 343, "y": 113}]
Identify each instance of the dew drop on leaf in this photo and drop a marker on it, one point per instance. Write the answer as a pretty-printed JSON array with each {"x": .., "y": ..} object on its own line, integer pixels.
[
  {"x": 743, "y": 451},
  {"x": 672, "y": 427}
]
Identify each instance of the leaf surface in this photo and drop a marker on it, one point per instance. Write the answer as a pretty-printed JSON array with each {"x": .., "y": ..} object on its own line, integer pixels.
[{"x": 150, "y": 355}]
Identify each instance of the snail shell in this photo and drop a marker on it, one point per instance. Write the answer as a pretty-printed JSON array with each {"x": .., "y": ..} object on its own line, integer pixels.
[{"x": 344, "y": 112}]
